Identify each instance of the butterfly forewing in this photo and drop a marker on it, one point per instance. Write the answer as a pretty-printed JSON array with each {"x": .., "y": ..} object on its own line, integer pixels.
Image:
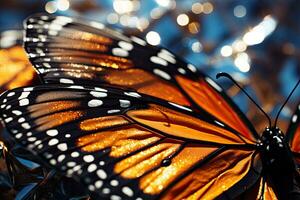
[
  {"x": 124, "y": 144},
  {"x": 70, "y": 51}
]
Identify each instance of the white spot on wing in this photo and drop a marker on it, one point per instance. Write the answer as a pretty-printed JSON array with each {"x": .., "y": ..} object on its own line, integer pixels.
[
  {"x": 26, "y": 125},
  {"x": 21, "y": 120},
  {"x": 19, "y": 135},
  {"x": 101, "y": 163},
  {"x": 132, "y": 94},
  {"x": 91, "y": 188},
  {"x": 71, "y": 164},
  {"x": 120, "y": 52},
  {"x": 52, "y": 162},
  {"x": 66, "y": 81},
  {"x": 162, "y": 74},
  {"x": 114, "y": 183},
  {"x": 62, "y": 146},
  {"x": 219, "y": 123},
  {"x": 74, "y": 154},
  {"x": 61, "y": 158},
  {"x": 124, "y": 103},
  {"x": 125, "y": 45},
  {"x": 106, "y": 190},
  {"x": 128, "y": 191},
  {"x": 192, "y": 67},
  {"x": 52, "y": 132},
  {"x": 213, "y": 84},
  {"x": 23, "y": 102},
  {"x": 7, "y": 120},
  {"x": 98, "y": 184},
  {"x": 95, "y": 103},
  {"x": 11, "y": 94},
  {"x": 88, "y": 158},
  {"x": 76, "y": 87},
  {"x": 115, "y": 197},
  {"x": 158, "y": 60},
  {"x": 100, "y": 89},
  {"x": 98, "y": 94},
  {"x": 181, "y": 70},
  {"x": 166, "y": 57},
  {"x": 181, "y": 107},
  {"x": 47, "y": 65},
  {"x": 138, "y": 41},
  {"x": 53, "y": 141},
  {"x": 101, "y": 174},
  {"x": 92, "y": 168},
  {"x": 113, "y": 111}
]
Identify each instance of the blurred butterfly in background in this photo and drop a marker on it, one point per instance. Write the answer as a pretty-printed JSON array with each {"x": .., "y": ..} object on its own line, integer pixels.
[
  {"x": 133, "y": 121},
  {"x": 15, "y": 68}
]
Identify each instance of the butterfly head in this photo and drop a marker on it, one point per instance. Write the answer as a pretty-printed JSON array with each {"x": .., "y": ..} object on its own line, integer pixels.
[
  {"x": 272, "y": 138},
  {"x": 273, "y": 145}
]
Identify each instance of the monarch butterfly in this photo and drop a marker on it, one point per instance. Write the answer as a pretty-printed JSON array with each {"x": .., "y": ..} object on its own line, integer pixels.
[{"x": 126, "y": 141}]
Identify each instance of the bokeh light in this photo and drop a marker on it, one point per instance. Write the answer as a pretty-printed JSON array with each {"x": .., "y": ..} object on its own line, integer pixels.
[
  {"x": 153, "y": 38},
  {"x": 239, "y": 11},
  {"x": 182, "y": 19}
]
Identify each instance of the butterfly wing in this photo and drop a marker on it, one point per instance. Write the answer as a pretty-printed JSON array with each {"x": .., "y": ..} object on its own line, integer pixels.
[
  {"x": 67, "y": 50},
  {"x": 15, "y": 68},
  {"x": 126, "y": 145},
  {"x": 262, "y": 189},
  {"x": 293, "y": 134}
]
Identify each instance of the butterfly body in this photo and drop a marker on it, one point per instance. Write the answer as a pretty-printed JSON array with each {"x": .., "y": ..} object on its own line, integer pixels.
[{"x": 278, "y": 163}]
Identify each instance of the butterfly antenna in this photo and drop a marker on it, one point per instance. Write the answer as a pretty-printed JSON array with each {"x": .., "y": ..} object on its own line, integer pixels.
[
  {"x": 287, "y": 99},
  {"x": 224, "y": 74}
]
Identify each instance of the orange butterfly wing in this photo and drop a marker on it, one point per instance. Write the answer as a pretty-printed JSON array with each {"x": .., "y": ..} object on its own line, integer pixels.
[
  {"x": 66, "y": 50},
  {"x": 123, "y": 144},
  {"x": 261, "y": 190},
  {"x": 293, "y": 134},
  {"x": 15, "y": 68}
]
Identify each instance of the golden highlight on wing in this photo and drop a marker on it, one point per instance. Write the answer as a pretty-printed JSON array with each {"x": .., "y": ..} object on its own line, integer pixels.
[
  {"x": 211, "y": 101},
  {"x": 213, "y": 178},
  {"x": 15, "y": 68},
  {"x": 179, "y": 125}
]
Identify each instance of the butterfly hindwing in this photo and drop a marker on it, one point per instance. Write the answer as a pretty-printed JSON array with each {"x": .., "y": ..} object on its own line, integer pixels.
[
  {"x": 70, "y": 51},
  {"x": 124, "y": 144}
]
